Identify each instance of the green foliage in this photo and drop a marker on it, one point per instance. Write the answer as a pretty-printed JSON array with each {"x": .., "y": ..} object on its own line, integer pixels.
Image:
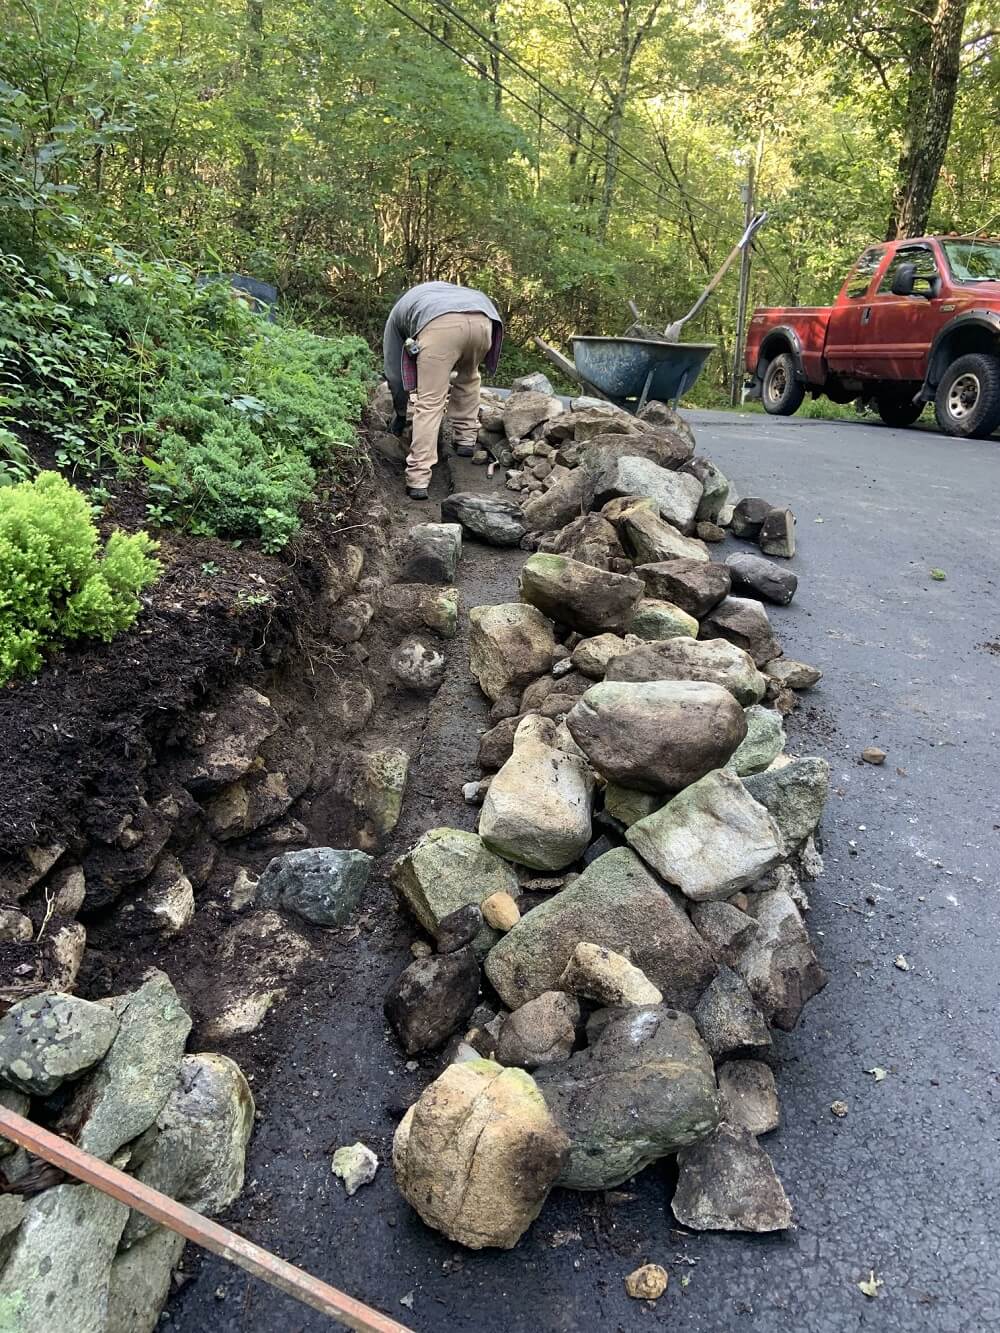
[{"x": 56, "y": 583}]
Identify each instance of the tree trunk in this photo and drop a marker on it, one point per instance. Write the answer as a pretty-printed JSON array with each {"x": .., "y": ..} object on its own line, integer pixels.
[
  {"x": 253, "y": 69},
  {"x": 930, "y": 103}
]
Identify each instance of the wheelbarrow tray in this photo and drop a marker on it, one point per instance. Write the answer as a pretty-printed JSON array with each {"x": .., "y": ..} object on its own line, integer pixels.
[{"x": 638, "y": 368}]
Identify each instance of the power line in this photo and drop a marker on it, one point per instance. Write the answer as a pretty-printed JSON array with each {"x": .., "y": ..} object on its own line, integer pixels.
[
  {"x": 574, "y": 111},
  {"x": 535, "y": 111}
]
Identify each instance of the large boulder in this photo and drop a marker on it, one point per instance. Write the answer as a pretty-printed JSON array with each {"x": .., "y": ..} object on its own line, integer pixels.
[
  {"x": 651, "y": 539},
  {"x": 727, "y": 1183},
  {"x": 589, "y": 538},
  {"x": 743, "y": 622},
  {"x": 510, "y": 645},
  {"x": 492, "y": 518},
  {"x": 541, "y": 1032},
  {"x": 778, "y": 962},
  {"x": 525, "y": 410},
  {"x": 590, "y": 600},
  {"x": 693, "y": 585},
  {"x": 567, "y": 497},
  {"x": 680, "y": 658},
  {"x": 58, "y": 1262},
  {"x": 432, "y": 998},
  {"x": 615, "y": 903},
  {"x": 50, "y": 1038},
  {"x": 644, "y": 1089},
  {"x": 677, "y": 494},
  {"x": 662, "y": 448},
  {"x": 656, "y": 735},
  {"x": 124, "y": 1094},
  {"x": 656, "y": 619},
  {"x": 197, "y": 1152},
  {"x": 430, "y": 553},
  {"x": 711, "y": 840},
  {"x": 321, "y": 884},
  {"x": 446, "y": 869},
  {"x": 478, "y": 1153},
  {"x": 224, "y": 742},
  {"x": 753, "y": 576},
  {"x": 537, "y": 809},
  {"x": 795, "y": 796}
]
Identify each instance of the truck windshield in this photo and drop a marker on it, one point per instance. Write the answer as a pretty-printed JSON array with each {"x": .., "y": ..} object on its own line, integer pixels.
[{"x": 973, "y": 261}]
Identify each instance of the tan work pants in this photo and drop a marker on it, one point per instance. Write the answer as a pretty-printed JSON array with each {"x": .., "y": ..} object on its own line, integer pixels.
[{"x": 459, "y": 342}]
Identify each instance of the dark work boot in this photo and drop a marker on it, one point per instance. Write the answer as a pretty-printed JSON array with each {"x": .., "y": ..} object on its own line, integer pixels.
[
  {"x": 417, "y": 492},
  {"x": 465, "y": 450}
]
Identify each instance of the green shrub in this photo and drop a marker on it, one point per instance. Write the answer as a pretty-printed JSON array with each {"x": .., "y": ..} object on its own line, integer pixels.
[{"x": 55, "y": 584}]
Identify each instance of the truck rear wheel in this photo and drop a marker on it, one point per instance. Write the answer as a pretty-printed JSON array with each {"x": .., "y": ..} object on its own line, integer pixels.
[
  {"x": 896, "y": 408},
  {"x": 781, "y": 392},
  {"x": 967, "y": 402}
]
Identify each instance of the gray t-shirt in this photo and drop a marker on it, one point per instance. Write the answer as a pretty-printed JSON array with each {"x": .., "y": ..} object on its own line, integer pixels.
[{"x": 415, "y": 309}]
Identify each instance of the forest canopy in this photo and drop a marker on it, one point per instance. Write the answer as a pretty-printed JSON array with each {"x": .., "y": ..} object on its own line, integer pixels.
[{"x": 564, "y": 156}]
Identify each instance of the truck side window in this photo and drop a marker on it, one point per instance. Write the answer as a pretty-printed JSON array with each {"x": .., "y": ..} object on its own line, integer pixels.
[
  {"x": 925, "y": 277},
  {"x": 858, "y": 282}
]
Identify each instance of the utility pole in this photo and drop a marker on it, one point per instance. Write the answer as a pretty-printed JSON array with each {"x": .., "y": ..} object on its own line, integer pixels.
[{"x": 746, "y": 194}]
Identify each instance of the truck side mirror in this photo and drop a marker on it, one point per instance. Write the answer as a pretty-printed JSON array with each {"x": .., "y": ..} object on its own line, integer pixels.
[{"x": 902, "y": 283}]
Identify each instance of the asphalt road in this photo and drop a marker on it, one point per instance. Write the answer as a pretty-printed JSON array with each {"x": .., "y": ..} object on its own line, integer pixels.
[{"x": 907, "y": 1185}]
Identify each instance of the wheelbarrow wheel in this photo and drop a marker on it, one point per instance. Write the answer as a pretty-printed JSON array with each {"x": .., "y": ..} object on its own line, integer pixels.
[{"x": 782, "y": 392}]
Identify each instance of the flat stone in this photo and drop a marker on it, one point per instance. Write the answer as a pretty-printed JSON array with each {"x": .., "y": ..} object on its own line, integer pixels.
[
  {"x": 604, "y": 452},
  {"x": 50, "y": 1039},
  {"x": 753, "y": 576},
  {"x": 607, "y": 978},
  {"x": 127, "y": 1090},
  {"x": 792, "y": 675},
  {"x": 541, "y": 1032},
  {"x": 644, "y": 1089},
  {"x": 693, "y": 585},
  {"x": 748, "y": 1096},
  {"x": 628, "y": 805},
  {"x": 140, "y": 1283},
  {"x": 588, "y": 599},
  {"x": 459, "y": 928},
  {"x": 712, "y": 660},
  {"x": 444, "y": 871},
  {"x": 321, "y": 884},
  {"x": 432, "y": 998},
  {"x": 727, "y": 1183},
  {"x": 589, "y": 538},
  {"x": 523, "y": 411},
  {"x": 537, "y": 810},
  {"x": 615, "y": 903},
  {"x": 728, "y": 1020},
  {"x": 711, "y": 840},
  {"x": 724, "y": 928},
  {"x": 657, "y": 619},
  {"x": 658, "y": 735},
  {"x": 795, "y": 795},
  {"x": 565, "y": 498},
  {"x": 660, "y": 417},
  {"x": 651, "y": 539},
  {"x": 510, "y": 645},
  {"x": 765, "y": 740},
  {"x": 677, "y": 494},
  {"x": 492, "y": 518},
  {"x": 430, "y": 553},
  {"x": 478, "y": 1153}
]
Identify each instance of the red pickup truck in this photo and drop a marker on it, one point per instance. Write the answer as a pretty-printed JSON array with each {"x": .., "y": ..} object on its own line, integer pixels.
[{"x": 916, "y": 320}]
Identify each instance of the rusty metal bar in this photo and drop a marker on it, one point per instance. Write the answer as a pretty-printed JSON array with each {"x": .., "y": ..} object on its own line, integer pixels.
[{"x": 202, "y": 1230}]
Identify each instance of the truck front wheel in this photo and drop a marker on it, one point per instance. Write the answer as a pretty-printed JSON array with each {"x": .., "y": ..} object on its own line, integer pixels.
[
  {"x": 897, "y": 409},
  {"x": 781, "y": 392},
  {"x": 967, "y": 402}
]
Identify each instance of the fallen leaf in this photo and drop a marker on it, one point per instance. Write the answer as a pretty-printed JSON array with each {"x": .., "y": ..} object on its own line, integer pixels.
[
  {"x": 878, "y": 1073},
  {"x": 870, "y": 1285},
  {"x": 939, "y": 575},
  {"x": 901, "y": 963}
]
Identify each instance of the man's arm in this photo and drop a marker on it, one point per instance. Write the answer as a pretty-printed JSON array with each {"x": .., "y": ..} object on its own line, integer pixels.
[{"x": 392, "y": 360}]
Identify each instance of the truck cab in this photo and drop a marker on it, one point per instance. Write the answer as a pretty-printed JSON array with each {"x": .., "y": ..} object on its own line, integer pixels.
[{"x": 916, "y": 320}]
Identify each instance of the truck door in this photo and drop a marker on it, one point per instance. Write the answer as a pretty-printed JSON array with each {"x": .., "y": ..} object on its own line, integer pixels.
[
  {"x": 844, "y": 341},
  {"x": 897, "y": 330}
]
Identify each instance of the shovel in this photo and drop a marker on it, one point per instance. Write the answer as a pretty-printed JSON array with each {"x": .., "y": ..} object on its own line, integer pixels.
[{"x": 672, "y": 332}]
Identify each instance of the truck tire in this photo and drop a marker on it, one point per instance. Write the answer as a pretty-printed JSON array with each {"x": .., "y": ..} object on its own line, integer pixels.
[
  {"x": 967, "y": 402},
  {"x": 897, "y": 408},
  {"x": 781, "y": 393}
]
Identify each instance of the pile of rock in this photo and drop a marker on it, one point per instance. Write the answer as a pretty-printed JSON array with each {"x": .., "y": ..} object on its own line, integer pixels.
[
  {"x": 614, "y": 946},
  {"x": 113, "y": 1076}
]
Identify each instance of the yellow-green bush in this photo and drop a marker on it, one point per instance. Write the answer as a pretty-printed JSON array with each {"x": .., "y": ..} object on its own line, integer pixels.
[{"x": 55, "y": 582}]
